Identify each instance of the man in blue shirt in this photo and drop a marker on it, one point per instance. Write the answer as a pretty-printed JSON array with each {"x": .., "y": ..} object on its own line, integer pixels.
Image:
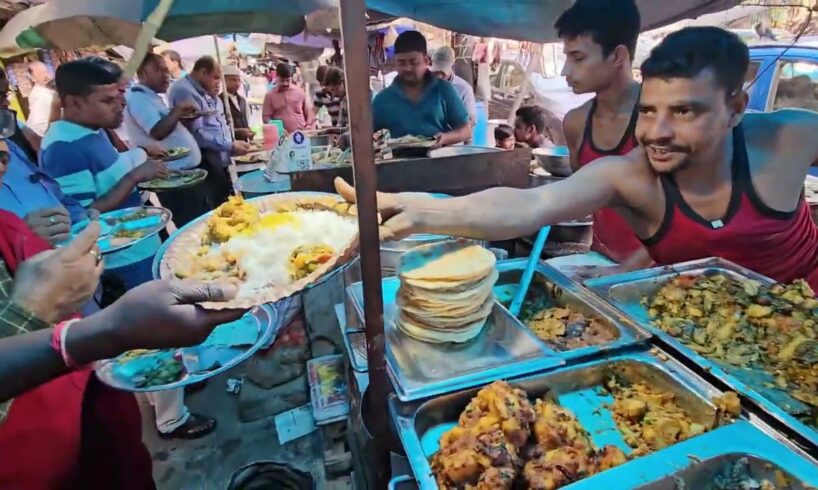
[
  {"x": 149, "y": 121},
  {"x": 418, "y": 103},
  {"x": 38, "y": 199},
  {"x": 210, "y": 129}
]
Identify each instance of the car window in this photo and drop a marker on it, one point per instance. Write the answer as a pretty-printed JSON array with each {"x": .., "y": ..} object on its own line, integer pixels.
[
  {"x": 797, "y": 85},
  {"x": 750, "y": 77}
]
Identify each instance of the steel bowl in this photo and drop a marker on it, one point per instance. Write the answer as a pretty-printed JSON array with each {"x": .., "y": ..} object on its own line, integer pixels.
[{"x": 555, "y": 160}]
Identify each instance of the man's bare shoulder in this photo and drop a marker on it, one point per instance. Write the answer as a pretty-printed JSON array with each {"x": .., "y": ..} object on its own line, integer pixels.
[{"x": 574, "y": 120}]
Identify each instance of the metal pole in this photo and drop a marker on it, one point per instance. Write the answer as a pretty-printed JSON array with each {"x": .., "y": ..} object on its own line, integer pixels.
[{"x": 356, "y": 68}]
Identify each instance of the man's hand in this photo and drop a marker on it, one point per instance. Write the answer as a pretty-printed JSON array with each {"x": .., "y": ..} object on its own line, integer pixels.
[
  {"x": 440, "y": 139},
  {"x": 399, "y": 219},
  {"x": 151, "y": 169},
  {"x": 55, "y": 284},
  {"x": 51, "y": 224},
  {"x": 241, "y": 148},
  {"x": 164, "y": 314},
  {"x": 186, "y": 109},
  {"x": 155, "y": 151},
  {"x": 244, "y": 134}
]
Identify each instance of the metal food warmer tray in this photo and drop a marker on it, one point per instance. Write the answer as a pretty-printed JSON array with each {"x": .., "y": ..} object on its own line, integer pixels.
[
  {"x": 420, "y": 425},
  {"x": 421, "y": 369},
  {"x": 625, "y": 292},
  {"x": 561, "y": 291}
]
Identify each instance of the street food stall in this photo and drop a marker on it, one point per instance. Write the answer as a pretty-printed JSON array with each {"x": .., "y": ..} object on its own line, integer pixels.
[
  {"x": 591, "y": 384},
  {"x": 674, "y": 377}
]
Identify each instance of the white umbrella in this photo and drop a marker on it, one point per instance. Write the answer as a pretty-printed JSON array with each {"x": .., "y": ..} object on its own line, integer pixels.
[{"x": 71, "y": 24}]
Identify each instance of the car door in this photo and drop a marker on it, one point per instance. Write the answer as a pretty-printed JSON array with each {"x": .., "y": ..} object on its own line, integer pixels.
[{"x": 795, "y": 84}]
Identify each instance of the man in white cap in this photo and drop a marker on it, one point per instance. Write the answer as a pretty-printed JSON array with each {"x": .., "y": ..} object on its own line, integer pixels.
[
  {"x": 237, "y": 105},
  {"x": 442, "y": 67}
]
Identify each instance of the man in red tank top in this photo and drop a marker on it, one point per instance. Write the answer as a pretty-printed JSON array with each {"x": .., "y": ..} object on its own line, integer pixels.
[
  {"x": 706, "y": 180},
  {"x": 599, "y": 56}
]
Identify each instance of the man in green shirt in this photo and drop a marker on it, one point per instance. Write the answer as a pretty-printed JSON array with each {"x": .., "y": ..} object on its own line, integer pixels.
[{"x": 418, "y": 103}]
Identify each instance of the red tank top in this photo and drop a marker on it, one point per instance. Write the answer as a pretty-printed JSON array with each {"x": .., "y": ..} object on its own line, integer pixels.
[
  {"x": 613, "y": 237},
  {"x": 779, "y": 245}
]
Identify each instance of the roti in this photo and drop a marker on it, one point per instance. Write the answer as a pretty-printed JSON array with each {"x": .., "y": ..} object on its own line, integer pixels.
[
  {"x": 453, "y": 262},
  {"x": 462, "y": 335}
]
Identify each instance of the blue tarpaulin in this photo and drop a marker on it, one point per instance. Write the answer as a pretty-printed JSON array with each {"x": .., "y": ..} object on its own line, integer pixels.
[{"x": 529, "y": 20}]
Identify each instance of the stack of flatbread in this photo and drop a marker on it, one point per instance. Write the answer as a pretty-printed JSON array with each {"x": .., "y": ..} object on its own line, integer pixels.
[{"x": 446, "y": 291}]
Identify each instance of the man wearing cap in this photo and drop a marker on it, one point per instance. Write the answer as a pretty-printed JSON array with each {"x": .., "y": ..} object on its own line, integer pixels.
[
  {"x": 442, "y": 67},
  {"x": 237, "y": 105},
  {"x": 418, "y": 103}
]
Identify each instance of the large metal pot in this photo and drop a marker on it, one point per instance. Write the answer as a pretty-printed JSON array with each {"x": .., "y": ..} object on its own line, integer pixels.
[{"x": 555, "y": 161}]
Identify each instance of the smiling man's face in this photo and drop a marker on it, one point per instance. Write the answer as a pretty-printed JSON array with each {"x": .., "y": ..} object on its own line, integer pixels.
[{"x": 681, "y": 119}]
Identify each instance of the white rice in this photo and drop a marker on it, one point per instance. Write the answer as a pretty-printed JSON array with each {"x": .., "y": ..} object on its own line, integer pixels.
[{"x": 265, "y": 256}]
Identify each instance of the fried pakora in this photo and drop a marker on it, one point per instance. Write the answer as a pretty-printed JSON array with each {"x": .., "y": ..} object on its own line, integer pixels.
[
  {"x": 484, "y": 447},
  {"x": 491, "y": 447}
]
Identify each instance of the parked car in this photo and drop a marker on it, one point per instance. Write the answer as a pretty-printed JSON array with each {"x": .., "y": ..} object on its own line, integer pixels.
[{"x": 783, "y": 77}]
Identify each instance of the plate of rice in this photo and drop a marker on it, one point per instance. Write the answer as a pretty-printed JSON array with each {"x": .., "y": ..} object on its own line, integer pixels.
[{"x": 270, "y": 247}]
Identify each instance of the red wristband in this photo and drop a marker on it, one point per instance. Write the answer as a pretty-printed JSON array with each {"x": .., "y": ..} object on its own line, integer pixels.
[{"x": 58, "y": 342}]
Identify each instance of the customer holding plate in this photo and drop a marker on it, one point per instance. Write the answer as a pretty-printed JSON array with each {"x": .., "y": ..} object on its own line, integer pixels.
[
  {"x": 418, "y": 103},
  {"x": 210, "y": 129},
  {"x": 77, "y": 152},
  {"x": 148, "y": 120}
]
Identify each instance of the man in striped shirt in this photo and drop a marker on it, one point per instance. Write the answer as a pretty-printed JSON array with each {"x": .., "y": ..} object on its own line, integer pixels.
[{"x": 80, "y": 156}]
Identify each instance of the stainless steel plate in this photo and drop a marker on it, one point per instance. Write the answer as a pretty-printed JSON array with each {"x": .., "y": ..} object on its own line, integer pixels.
[
  {"x": 227, "y": 346},
  {"x": 147, "y": 220},
  {"x": 625, "y": 292},
  {"x": 505, "y": 348},
  {"x": 420, "y": 424}
]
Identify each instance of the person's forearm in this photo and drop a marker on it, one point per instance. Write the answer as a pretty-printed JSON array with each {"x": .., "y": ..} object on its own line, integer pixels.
[
  {"x": 29, "y": 360},
  {"x": 116, "y": 196},
  {"x": 640, "y": 259},
  {"x": 494, "y": 214},
  {"x": 504, "y": 213},
  {"x": 459, "y": 135},
  {"x": 165, "y": 126}
]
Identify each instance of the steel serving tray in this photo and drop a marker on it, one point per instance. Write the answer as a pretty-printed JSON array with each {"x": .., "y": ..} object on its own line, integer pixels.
[
  {"x": 562, "y": 291},
  {"x": 420, "y": 424},
  {"x": 625, "y": 292},
  {"x": 701, "y": 475},
  {"x": 418, "y": 369}
]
